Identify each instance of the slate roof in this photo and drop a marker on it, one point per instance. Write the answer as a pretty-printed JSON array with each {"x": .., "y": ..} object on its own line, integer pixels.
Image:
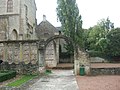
[{"x": 45, "y": 30}]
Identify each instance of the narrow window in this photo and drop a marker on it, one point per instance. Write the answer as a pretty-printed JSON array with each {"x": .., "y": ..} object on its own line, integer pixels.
[{"x": 9, "y": 6}]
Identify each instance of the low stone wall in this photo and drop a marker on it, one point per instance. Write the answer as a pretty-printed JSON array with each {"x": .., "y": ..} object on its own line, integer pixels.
[
  {"x": 105, "y": 71},
  {"x": 20, "y": 68},
  {"x": 19, "y": 51},
  {"x": 98, "y": 60}
]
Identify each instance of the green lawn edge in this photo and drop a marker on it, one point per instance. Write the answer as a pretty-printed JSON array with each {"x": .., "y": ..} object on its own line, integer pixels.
[{"x": 21, "y": 81}]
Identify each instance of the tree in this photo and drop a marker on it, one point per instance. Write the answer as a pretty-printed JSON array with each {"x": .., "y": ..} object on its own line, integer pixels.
[
  {"x": 96, "y": 34},
  {"x": 97, "y": 37},
  {"x": 68, "y": 14},
  {"x": 113, "y": 45}
]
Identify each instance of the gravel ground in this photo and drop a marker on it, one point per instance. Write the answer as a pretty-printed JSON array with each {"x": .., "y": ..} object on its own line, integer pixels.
[{"x": 98, "y": 82}]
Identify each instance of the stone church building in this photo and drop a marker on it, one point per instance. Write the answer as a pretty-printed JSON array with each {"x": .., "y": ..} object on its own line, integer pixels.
[
  {"x": 18, "y": 22},
  {"x": 22, "y": 41},
  {"x": 44, "y": 31},
  {"x": 17, "y": 19}
]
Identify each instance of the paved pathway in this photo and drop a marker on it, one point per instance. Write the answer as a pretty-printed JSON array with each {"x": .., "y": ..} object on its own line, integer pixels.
[{"x": 58, "y": 80}]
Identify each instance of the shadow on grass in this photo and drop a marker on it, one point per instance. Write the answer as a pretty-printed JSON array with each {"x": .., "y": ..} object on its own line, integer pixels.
[{"x": 21, "y": 81}]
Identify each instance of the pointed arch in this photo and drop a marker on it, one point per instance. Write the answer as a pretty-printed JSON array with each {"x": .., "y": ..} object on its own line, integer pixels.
[
  {"x": 10, "y": 6},
  {"x": 14, "y": 35}
]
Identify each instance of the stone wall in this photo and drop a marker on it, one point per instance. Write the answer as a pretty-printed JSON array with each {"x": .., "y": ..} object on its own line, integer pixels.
[
  {"x": 21, "y": 56},
  {"x": 20, "y": 68},
  {"x": 81, "y": 58},
  {"x": 50, "y": 55},
  {"x": 105, "y": 71},
  {"x": 22, "y": 19},
  {"x": 97, "y": 60},
  {"x": 3, "y": 7}
]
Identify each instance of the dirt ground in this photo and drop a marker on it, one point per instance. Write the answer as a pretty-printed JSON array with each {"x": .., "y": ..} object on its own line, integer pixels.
[{"x": 98, "y": 82}]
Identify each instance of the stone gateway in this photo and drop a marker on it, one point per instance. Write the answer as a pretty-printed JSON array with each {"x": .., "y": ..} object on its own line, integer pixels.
[{"x": 26, "y": 46}]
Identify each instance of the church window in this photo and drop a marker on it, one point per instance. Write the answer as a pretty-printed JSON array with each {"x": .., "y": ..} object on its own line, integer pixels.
[{"x": 9, "y": 6}]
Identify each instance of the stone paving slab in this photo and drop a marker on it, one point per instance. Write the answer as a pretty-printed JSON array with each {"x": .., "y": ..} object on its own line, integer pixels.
[{"x": 58, "y": 80}]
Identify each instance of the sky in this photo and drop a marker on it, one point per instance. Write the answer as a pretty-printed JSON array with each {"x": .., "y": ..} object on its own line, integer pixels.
[{"x": 91, "y": 11}]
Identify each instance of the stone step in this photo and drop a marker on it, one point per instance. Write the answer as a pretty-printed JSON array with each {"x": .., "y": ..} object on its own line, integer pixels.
[
  {"x": 63, "y": 68},
  {"x": 66, "y": 66},
  {"x": 105, "y": 71}
]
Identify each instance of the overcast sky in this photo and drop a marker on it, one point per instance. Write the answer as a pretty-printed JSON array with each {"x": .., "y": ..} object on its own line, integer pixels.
[{"x": 91, "y": 11}]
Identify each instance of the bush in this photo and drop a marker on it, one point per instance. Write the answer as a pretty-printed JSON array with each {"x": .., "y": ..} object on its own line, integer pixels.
[
  {"x": 6, "y": 75},
  {"x": 65, "y": 55},
  {"x": 48, "y": 72},
  {"x": 95, "y": 53}
]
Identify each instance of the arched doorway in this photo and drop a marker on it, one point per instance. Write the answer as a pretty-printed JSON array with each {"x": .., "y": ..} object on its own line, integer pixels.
[
  {"x": 80, "y": 56},
  {"x": 52, "y": 51},
  {"x": 14, "y": 35}
]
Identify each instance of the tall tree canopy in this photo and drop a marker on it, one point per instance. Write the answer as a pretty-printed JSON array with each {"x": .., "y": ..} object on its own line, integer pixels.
[
  {"x": 97, "y": 39},
  {"x": 68, "y": 14},
  {"x": 113, "y": 45}
]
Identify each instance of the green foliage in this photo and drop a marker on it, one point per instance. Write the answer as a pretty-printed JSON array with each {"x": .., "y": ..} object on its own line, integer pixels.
[
  {"x": 68, "y": 14},
  {"x": 48, "y": 71},
  {"x": 21, "y": 81},
  {"x": 102, "y": 38},
  {"x": 95, "y": 34},
  {"x": 96, "y": 54},
  {"x": 65, "y": 55},
  {"x": 6, "y": 75},
  {"x": 113, "y": 46}
]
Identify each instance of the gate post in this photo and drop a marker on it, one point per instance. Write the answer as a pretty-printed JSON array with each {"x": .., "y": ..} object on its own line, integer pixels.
[
  {"x": 76, "y": 63},
  {"x": 41, "y": 58},
  {"x": 81, "y": 58}
]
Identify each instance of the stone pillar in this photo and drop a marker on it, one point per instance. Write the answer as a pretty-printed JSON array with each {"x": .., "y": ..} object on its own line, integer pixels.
[
  {"x": 76, "y": 63},
  {"x": 41, "y": 58},
  {"x": 13, "y": 52},
  {"x": 81, "y": 59},
  {"x": 76, "y": 67},
  {"x": 5, "y": 52},
  {"x": 57, "y": 50},
  {"x": 30, "y": 51},
  {"x": 21, "y": 52}
]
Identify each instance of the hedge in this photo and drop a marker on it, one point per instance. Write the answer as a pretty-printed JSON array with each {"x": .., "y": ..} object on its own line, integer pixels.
[{"x": 6, "y": 75}]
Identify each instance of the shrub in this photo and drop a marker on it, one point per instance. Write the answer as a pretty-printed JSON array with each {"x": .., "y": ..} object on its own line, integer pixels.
[
  {"x": 6, "y": 75},
  {"x": 48, "y": 71},
  {"x": 95, "y": 54}
]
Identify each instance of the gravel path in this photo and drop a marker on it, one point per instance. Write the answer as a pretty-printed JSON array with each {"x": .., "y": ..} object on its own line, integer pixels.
[
  {"x": 58, "y": 80},
  {"x": 98, "y": 82}
]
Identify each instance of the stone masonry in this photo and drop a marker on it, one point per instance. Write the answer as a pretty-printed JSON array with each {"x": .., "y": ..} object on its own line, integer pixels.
[{"x": 17, "y": 19}]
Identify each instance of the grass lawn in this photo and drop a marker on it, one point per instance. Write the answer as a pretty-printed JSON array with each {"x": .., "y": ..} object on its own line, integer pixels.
[
  {"x": 21, "y": 81},
  {"x": 24, "y": 79}
]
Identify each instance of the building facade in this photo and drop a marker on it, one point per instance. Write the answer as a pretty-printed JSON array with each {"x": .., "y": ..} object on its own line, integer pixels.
[
  {"x": 53, "y": 50},
  {"x": 17, "y": 19},
  {"x": 44, "y": 31}
]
